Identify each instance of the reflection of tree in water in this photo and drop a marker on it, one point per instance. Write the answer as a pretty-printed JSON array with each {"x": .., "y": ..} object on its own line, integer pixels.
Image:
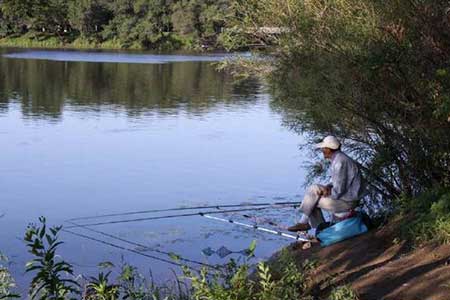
[{"x": 44, "y": 87}]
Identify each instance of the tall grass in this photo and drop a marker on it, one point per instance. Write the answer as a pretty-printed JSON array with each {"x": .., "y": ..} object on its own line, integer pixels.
[
  {"x": 27, "y": 42},
  {"x": 51, "y": 42}
]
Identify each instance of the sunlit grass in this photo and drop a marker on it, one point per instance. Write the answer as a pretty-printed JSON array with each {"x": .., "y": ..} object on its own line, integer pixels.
[
  {"x": 30, "y": 40},
  {"x": 27, "y": 41},
  {"x": 427, "y": 217},
  {"x": 343, "y": 292}
]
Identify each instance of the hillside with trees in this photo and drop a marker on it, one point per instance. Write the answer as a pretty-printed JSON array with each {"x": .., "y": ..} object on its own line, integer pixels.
[{"x": 141, "y": 24}]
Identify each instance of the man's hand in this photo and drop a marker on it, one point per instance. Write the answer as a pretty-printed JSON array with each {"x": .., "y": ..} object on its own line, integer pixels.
[
  {"x": 328, "y": 191},
  {"x": 325, "y": 191}
]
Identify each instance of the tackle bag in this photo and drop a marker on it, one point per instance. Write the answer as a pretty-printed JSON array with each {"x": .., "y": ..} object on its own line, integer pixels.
[{"x": 329, "y": 234}]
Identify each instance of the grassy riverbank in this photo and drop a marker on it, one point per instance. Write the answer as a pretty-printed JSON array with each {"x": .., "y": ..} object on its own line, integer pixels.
[{"x": 51, "y": 42}]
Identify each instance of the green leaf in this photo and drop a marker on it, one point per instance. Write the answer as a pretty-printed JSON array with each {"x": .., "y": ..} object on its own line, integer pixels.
[
  {"x": 106, "y": 265},
  {"x": 252, "y": 248},
  {"x": 174, "y": 256}
]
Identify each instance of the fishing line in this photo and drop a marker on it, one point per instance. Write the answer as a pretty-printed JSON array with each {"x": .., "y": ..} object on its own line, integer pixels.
[
  {"x": 203, "y": 214},
  {"x": 183, "y": 208},
  {"x": 143, "y": 246},
  {"x": 122, "y": 247},
  {"x": 177, "y": 216}
]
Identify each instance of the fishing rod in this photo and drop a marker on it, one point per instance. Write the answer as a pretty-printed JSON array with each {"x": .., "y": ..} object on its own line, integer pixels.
[
  {"x": 256, "y": 227},
  {"x": 184, "y": 208},
  {"x": 178, "y": 216},
  {"x": 121, "y": 247},
  {"x": 143, "y": 246}
]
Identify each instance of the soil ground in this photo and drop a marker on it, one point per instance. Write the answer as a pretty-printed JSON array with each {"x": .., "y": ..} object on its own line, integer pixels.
[{"x": 379, "y": 267}]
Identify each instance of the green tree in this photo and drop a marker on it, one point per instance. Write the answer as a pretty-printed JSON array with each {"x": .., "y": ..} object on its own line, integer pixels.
[
  {"x": 17, "y": 15},
  {"x": 46, "y": 16},
  {"x": 153, "y": 22},
  {"x": 201, "y": 21},
  {"x": 4, "y": 25},
  {"x": 375, "y": 74},
  {"x": 122, "y": 22},
  {"x": 50, "y": 16},
  {"x": 88, "y": 17},
  {"x": 148, "y": 24}
]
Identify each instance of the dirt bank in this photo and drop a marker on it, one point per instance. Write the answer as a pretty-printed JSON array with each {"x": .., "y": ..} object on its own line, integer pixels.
[{"x": 378, "y": 266}]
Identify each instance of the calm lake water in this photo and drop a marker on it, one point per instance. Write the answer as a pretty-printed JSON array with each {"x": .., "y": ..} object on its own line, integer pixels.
[{"x": 87, "y": 133}]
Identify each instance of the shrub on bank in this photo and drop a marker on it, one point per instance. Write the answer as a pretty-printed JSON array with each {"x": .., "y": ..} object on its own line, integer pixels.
[
  {"x": 283, "y": 280},
  {"x": 427, "y": 217},
  {"x": 7, "y": 283},
  {"x": 343, "y": 292}
]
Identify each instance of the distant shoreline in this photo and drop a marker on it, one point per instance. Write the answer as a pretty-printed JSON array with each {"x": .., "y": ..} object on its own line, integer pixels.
[{"x": 84, "y": 44}]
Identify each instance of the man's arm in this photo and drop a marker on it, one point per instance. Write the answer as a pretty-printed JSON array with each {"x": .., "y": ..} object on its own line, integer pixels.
[{"x": 338, "y": 180}]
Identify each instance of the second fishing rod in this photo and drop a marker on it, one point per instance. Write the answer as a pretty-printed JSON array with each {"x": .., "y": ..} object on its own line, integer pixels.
[
  {"x": 187, "y": 215},
  {"x": 219, "y": 206}
]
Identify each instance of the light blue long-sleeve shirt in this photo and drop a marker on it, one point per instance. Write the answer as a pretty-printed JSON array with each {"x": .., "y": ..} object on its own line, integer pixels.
[{"x": 346, "y": 180}]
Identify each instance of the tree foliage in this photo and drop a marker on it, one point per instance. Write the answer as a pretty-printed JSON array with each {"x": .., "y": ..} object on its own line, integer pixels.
[
  {"x": 139, "y": 24},
  {"x": 374, "y": 73}
]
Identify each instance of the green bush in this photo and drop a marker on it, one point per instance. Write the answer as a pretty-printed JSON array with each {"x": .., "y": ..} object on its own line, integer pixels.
[
  {"x": 52, "y": 275},
  {"x": 54, "y": 278},
  {"x": 100, "y": 288},
  {"x": 343, "y": 292},
  {"x": 130, "y": 284},
  {"x": 7, "y": 283},
  {"x": 427, "y": 217},
  {"x": 284, "y": 280}
]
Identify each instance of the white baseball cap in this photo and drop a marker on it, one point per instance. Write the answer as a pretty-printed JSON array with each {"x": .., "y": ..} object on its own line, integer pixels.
[{"x": 329, "y": 142}]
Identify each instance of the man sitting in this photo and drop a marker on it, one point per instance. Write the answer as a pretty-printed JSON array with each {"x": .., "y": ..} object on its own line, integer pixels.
[{"x": 341, "y": 195}]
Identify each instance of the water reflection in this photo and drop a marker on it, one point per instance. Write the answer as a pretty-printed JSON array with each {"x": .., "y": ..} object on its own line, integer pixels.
[
  {"x": 45, "y": 87},
  {"x": 83, "y": 138}
]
